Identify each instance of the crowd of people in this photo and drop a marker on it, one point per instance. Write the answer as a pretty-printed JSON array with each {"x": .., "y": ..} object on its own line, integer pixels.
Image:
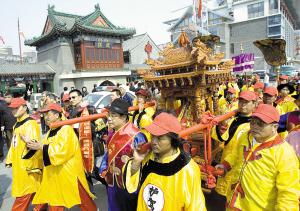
[{"x": 143, "y": 162}]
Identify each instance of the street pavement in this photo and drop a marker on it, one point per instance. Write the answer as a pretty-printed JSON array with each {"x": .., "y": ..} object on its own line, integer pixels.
[{"x": 6, "y": 201}]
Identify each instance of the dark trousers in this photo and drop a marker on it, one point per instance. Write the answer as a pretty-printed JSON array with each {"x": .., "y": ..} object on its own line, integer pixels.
[
  {"x": 7, "y": 140},
  {"x": 215, "y": 201},
  {"x": 9, "y": 135},
  {"x": 1, "y": 144},
  {"x": 44, "y": 127}
]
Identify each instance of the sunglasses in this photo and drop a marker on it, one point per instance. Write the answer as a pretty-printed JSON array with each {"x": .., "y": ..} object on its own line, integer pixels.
[{"x": 73, "y": 97}]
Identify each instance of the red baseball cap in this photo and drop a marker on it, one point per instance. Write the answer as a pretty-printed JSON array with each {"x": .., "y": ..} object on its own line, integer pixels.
[
  {"x": 17, "y": 102},
  {"x": 142, "y": 92},
  {"x": 284, "y": 77},
  {"x": 66, "y": 97},
  {"x": 266, "y": 113},
  {"x": 164, "y": 123},
  {"x": 270, "y": 90},
  {"x": 258, "y": 85},
  {"x": 51, "y": 106},
  {"x": 248, "y": 95},
  {"x": 231, "y": 90}
]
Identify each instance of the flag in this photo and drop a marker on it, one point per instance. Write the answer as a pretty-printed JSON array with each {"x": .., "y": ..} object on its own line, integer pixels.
[
  {"x": 243, "y": 62},
  {"x": 2, "y": 40},
  {"x": 199, "y": 8},
  {"x": 22, "y": 34}
]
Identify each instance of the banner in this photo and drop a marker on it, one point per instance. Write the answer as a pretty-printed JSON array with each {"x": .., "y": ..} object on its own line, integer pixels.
[
  {"x": 243, "y": 62},
  {"x": 86, "y": 143}
]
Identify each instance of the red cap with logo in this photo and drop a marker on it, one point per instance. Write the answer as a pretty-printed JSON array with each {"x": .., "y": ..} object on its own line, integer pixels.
[
  {"x": 142, "y": 92},
  {"x": 258, "y": 85},
  {"x": 270, "y": 90},
  {"x": 17, "y": 102},
  {"x": 266, "y": 113},
  {"x": 248, "y": 95},
  {"x": 164, "y": 123},
  {"x": 51, "y": 106},
  {"x": 231, "y": 90}
]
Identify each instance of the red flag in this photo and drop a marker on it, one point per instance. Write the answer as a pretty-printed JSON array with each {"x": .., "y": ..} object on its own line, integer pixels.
[
  {"x": 199, "y": 8},
  {"x": 22, "y": 34},
  {"x": 2, "y": 40}
]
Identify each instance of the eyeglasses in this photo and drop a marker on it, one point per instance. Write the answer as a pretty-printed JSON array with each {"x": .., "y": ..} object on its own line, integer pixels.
[
  {"x": 258, "y": 122},
  {"x": 73, "y": 97}
]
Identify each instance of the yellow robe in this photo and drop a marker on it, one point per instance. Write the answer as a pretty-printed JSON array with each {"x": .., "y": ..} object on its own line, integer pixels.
[
  {"x": 286, "y": 105},
  {"x": 26, "y": 174},
  {"x": 224, "y": 183},
  {"x": 236, "y": 87},
  {"x": 225, "y": 107},
  {"x": 222, "y": 87},
  {"x": 59, "y": 185},
  {"x": 180, "y": 191},
  {"x": 269, "y": 182},
  {"x": 145, "y": 121}
]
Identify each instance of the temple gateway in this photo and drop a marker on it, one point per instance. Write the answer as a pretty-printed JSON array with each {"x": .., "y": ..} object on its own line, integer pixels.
[{"x": 82, "y": 50}]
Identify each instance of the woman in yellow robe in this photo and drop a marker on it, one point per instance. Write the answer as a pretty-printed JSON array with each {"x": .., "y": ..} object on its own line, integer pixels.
[
  {"x": 142, "y": 117},
  {"x": 170, "y": 179},
  {"x": 64, "y": 183}
]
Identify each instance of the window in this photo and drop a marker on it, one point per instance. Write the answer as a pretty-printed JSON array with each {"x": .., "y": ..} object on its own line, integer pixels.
[
  {"x": 126, "y": 56},
  {"x": 100, "y": 55},
  {"x": 213, "y": 30},
  {"x": 274, "y": 20},
  {"x": 274, "y": 30},
  {"x": 232, "y": 48},
  {"x": 214, "y": 19},
  {"x": 256, "y": 10},
  {"x": 273, "y": 6},
  {"x": 77, "y": 53}
]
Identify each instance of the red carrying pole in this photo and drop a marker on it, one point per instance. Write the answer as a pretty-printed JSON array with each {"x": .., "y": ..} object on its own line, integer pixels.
[
  {"x": 93, "y": 116},
  {"x": 202, "y": 126},
  {"x": 207, "y": 137}
]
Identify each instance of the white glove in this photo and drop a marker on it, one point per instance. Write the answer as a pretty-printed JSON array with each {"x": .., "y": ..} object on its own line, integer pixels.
[{"x": 2, "y": 128}]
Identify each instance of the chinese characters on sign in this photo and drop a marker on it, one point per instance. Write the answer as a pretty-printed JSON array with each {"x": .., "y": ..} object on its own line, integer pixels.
[
  {"x": 153, "y": 197},
  {"x": 101, "y": 44}
]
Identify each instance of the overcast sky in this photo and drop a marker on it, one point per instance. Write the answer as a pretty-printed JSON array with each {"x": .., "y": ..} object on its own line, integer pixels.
[{"x": 143, "y": 15}]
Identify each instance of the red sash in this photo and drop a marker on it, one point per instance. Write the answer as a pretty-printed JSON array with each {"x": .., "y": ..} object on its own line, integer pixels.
[
  {"x": 86, "y": 143},
  {"x": 250, "y": 156},
  {"x": 119, "y": 140}
]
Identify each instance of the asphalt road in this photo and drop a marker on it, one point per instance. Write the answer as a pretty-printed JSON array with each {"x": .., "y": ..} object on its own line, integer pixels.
[{"x": 6, "y": 200}]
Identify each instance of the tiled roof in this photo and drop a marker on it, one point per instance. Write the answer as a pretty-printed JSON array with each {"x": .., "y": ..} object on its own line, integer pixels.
[
  {"x": 64, "y": 24},
  {"x": 25, "y": 69}
]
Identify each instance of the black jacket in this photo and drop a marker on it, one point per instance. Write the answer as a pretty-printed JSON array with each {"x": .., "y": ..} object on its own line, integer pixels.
[{"x": 7, "y": 119}]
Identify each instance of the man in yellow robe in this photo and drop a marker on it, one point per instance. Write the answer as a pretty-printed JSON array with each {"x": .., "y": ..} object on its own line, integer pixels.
[
  {"x": 238, "y": 125},
  {"x": 269, "y": 96},
  {"x": 259, "y": 90},
  {"x": 230, "y": 103},
  {"x": 168, "y": 178},
  {"x": 266, "y": 167},
  {"x": 26, "y": 174},
  {"x": 64, "y": 183}
]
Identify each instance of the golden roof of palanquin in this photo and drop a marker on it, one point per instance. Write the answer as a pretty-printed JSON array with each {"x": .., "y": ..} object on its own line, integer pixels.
[{"x": 188, "y": 60}]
